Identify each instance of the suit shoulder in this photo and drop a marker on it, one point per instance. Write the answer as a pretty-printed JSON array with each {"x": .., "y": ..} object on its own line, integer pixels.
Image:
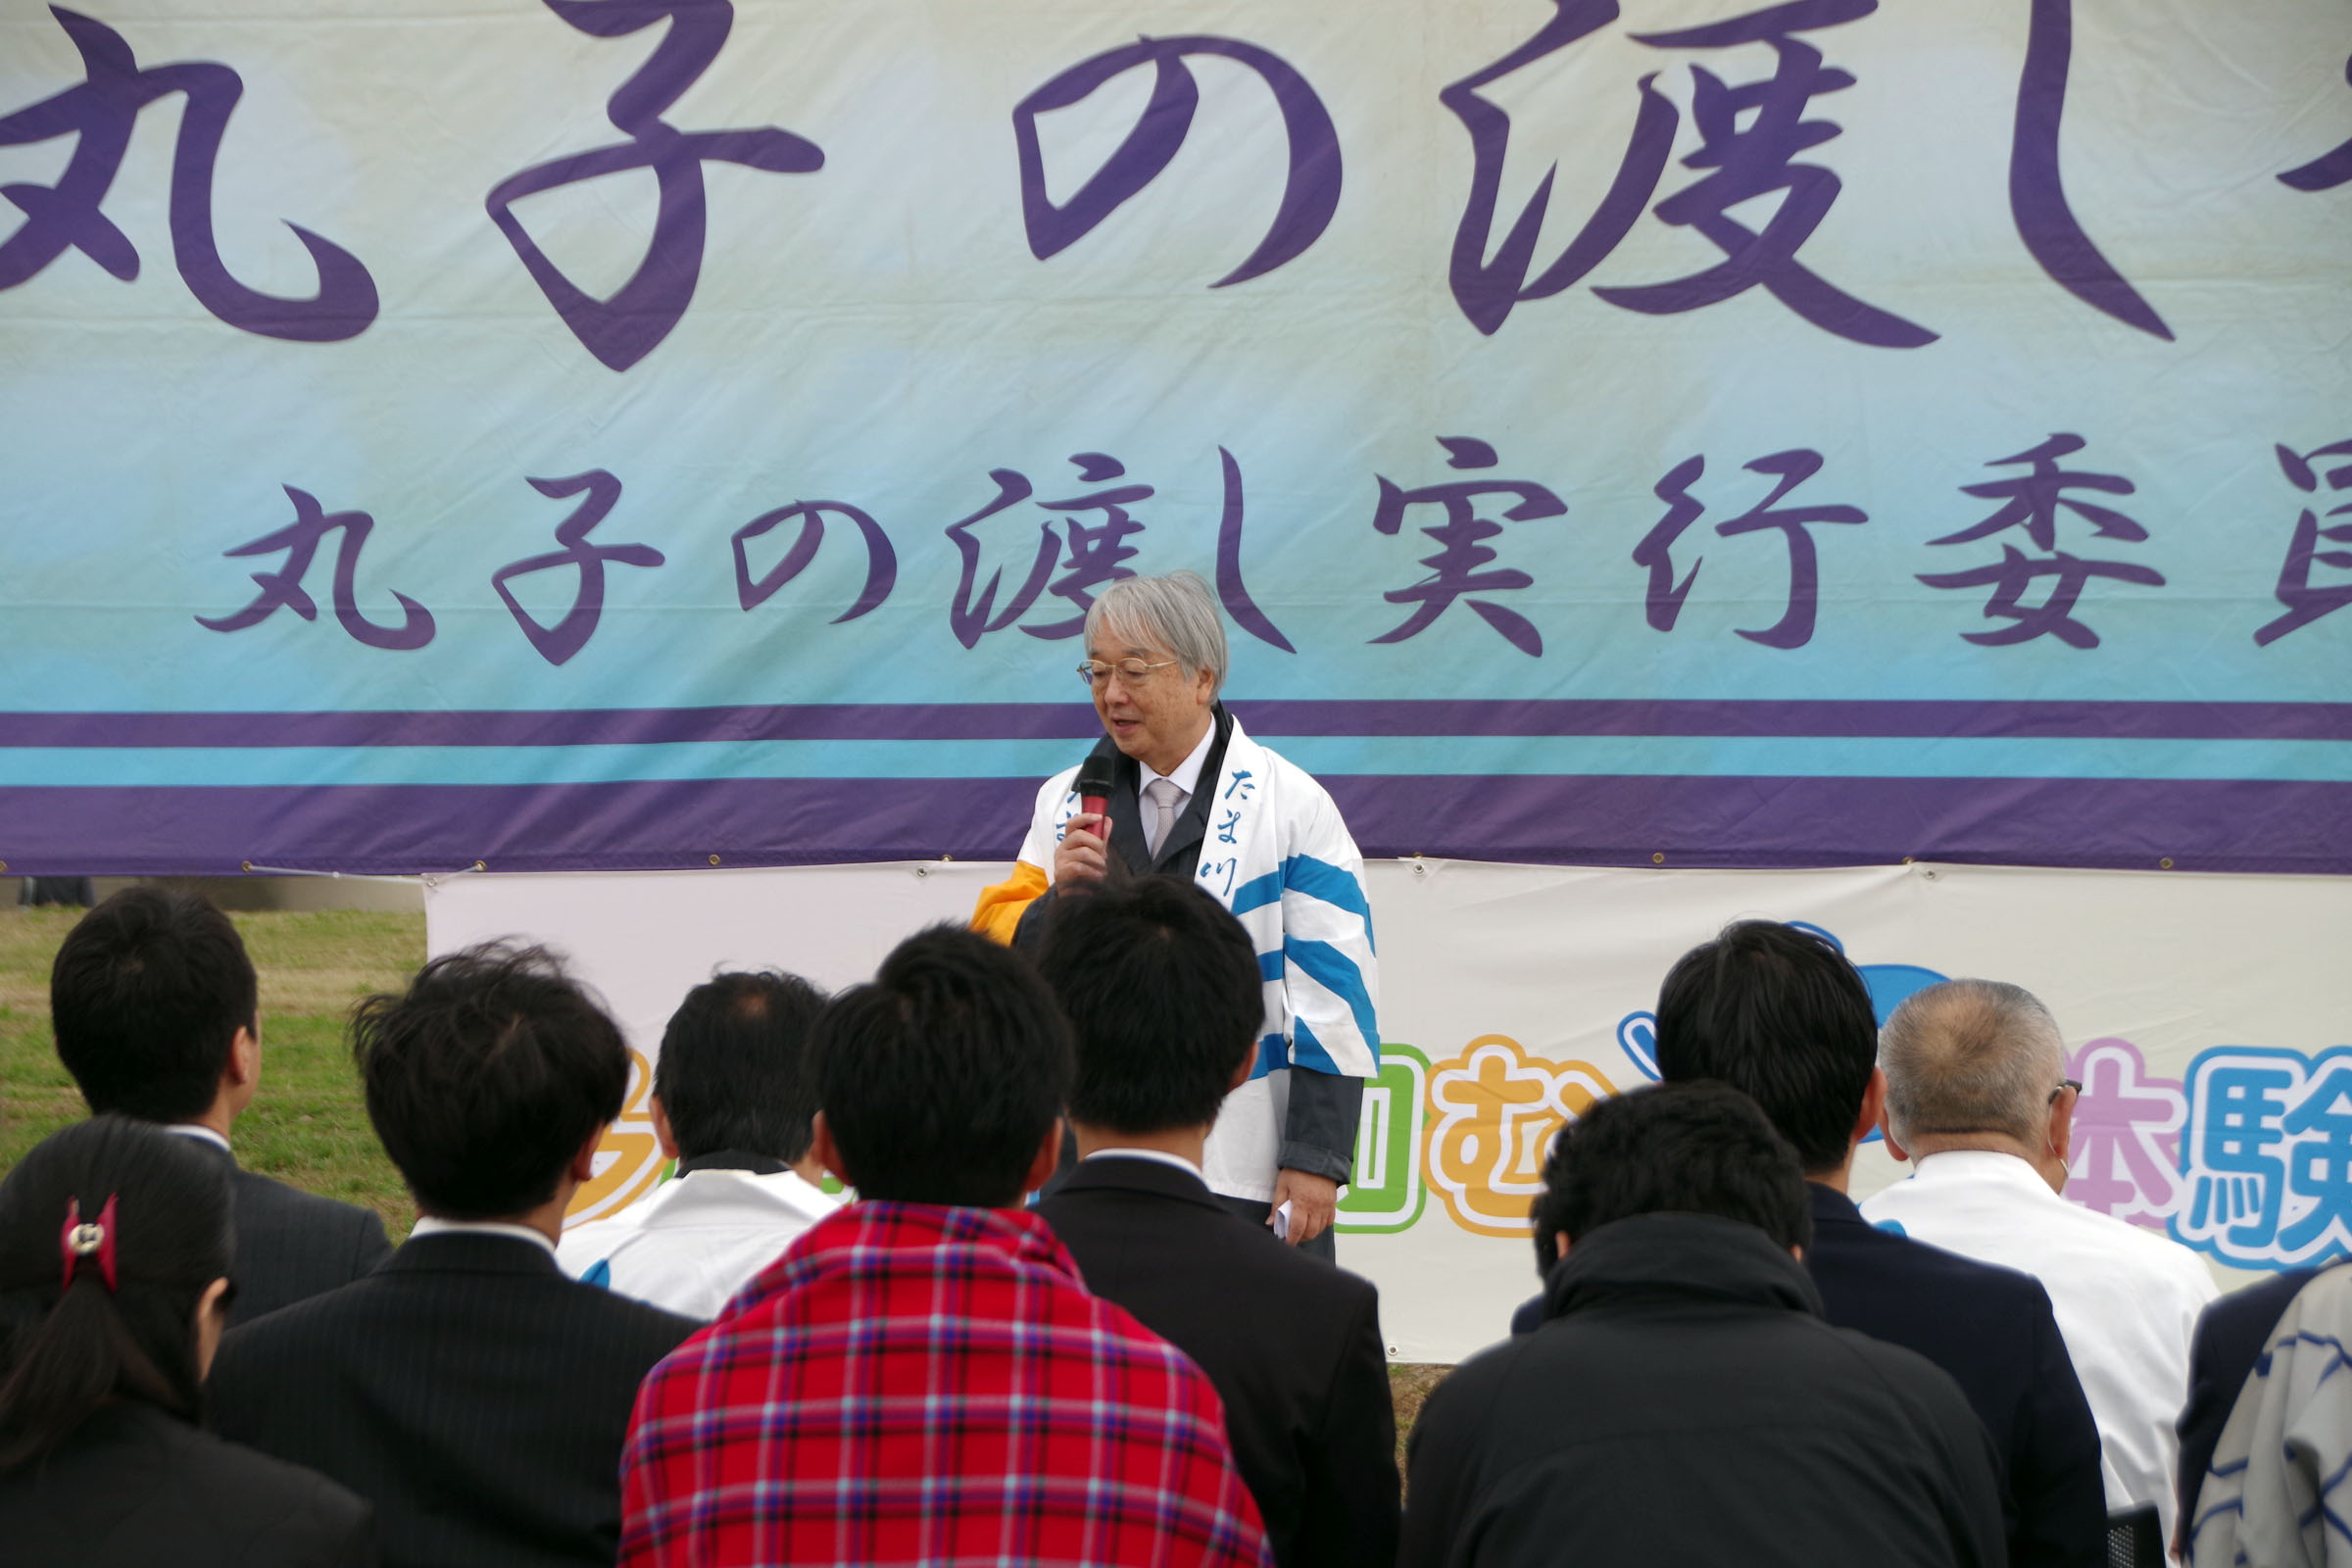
[
  {"x": 626, "y": 1322},
  {"x": 267, "y": 1497},
  {"x": 1947, "y": 1271},
  {"x": 267, "y": 1194}
]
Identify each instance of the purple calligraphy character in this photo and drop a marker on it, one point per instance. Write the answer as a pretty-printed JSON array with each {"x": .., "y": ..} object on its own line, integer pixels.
[
  {"x": 2328, "y": 171},
  {"x": 1232, "y": 592},
  {"x": 2015, "y": 573},
  {"x": 1750, "y": 139},
  {"x": 1664, "y": 601},
  {"x": 624, "y": 329},
  {"x": 2032, "y": 501},
  {"x": 1793, "y": 468},
  {"x": 1455, "y": 570},
  {"x": 2305, "y": 601},
  {"x": 1310, "y": 194},
  {"x": 2037, "y": 203},
  {"x": 973, "y": 615},
  {"x": 881, "y": 562},
  {"x": 569, "y": 636},
  {"x": 282, "y": 589},
  {"x": 1099, "y": 550},
  {"x": 1749, "y": 136},
  {"x": 100, "y": 114}
]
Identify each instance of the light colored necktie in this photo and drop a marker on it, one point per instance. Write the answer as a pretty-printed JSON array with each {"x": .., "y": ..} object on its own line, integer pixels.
[{"x": 1163, "y": 793}]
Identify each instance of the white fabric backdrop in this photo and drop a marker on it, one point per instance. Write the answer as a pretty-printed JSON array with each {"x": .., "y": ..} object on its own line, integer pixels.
[{"x": 1511, "y": 995}]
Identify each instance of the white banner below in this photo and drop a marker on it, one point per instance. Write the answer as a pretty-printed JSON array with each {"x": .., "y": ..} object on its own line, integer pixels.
[{"x": 2206, "y": 1015}]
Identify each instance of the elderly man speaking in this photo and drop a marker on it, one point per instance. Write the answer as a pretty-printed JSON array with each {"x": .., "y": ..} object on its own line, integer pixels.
[{"x": 1195, "y": 797}]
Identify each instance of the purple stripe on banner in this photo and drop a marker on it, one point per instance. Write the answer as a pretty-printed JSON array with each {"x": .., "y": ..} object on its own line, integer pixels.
[
  {"x": 1074, "y": 720},
  {"x": 2199, "y": 825}
]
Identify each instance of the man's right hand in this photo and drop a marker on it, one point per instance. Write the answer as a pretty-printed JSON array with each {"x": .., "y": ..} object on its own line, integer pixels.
[{"x": 1079, "y": 862}]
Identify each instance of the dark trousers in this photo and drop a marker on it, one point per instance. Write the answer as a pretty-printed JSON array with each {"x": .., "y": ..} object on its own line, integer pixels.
[{"x": 1256, "y": 1213}]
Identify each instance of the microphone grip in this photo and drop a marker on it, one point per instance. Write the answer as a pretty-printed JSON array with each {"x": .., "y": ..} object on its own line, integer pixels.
[{"x": 1098, "y": 805}]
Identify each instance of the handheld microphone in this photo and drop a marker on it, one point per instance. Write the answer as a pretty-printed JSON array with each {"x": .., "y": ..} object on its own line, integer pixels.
[{"x": 1097, "y": 775}]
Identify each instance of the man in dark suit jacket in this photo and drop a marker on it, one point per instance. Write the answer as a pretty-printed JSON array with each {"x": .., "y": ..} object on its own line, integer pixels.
[
  {"x": 1161, "y": 987},
  {"x": 468, "y": 1388},
  {"x": 154, "y": 1005},
  {"x": 1684, "y": 1403},
  {"x": 1778, "y": 1013}
]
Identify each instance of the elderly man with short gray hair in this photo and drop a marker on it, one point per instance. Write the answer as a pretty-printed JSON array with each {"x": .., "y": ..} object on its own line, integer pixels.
[
  {"x": 1193, "y": 796},
  {"x": 1977, "y": 1095}
]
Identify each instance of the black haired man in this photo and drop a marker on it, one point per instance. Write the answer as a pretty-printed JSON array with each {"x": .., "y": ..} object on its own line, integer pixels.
[{"x": 1684, "y": 1401}]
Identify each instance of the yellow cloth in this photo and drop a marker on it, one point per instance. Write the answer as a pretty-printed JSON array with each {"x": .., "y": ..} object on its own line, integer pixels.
[{"x": 998, "y": 915}]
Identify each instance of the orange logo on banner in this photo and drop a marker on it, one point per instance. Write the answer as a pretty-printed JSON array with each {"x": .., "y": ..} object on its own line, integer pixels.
[
  {"x": 1493, "y": 1110},
  {"x": 629, "y": 1160}
]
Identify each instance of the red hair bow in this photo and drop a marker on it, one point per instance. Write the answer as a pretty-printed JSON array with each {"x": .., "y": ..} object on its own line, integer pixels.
[{"x": 78, "y": 1240}]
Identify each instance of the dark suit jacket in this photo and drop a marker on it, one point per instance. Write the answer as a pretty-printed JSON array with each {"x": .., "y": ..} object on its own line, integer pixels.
[
  {"x": 136, "y": 1487},
  {"x": 1991, "y": 1329},
  {"x": 1292, "y": 1343},
  {"x": 2230, "y": 1337},
  {"x": 1318, "y": 1134},
  {"x": 467, "y": 1387},
  {"x": 292, "y": 1245}
]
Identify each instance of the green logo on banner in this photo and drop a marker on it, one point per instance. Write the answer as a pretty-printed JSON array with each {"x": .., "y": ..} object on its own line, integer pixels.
[{"x": 1386, "y": 1193}]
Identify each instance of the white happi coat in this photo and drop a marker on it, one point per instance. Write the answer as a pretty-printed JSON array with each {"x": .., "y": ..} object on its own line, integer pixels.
[
  {"x": 696, "y": 1240},
  {"x": 1276, "y": 853}
]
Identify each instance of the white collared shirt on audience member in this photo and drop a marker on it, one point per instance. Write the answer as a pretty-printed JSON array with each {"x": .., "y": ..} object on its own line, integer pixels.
[
  {"x": 697, "y": 1239},
  {"x": 2126, "y": 1300}
]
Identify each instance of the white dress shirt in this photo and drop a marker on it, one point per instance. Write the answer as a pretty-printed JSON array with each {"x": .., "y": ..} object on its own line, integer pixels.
[
  {"x": 2126, "y": 1300},
  {"x": 201, "y": 1133},
  {"x": 696, "y": 1239},
  {"x": 1185, "y": 777},
  {"x": 1160, "y": 1154},
  {"x": 434, "y": 1225}
]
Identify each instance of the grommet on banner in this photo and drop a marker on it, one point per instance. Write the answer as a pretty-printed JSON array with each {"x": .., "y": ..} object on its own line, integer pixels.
[
  {"x": 3, "y": 866},
  {"x": 480, "y": 866},
  {"x": 1659, "y": 858},
  {"x": 244, "y": 865},
  {"x": 2165, "y": 864},
  {"x": 714, "y": 860},
  {"x": 922, "y": 870}
]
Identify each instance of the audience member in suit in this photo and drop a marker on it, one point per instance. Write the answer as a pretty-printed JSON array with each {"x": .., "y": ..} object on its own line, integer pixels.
[
  {"x": 1684, "y": 1401},
  {"x": 115, "y": 1250},
  {"x": 731, "y": 1103},
  {"x": 1161, "y": 989},
  {"x": 153, "y": 1003},
  {"x": 472, "y": 1391},
  {"x": 922, "y": 1377},
  {"x": 1976, "y": 1095},
  {"x": 1778, "y": 1012},
  {"x": 2232, "y": 1335}
]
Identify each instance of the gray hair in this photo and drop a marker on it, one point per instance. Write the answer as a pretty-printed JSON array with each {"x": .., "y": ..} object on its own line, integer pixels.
[
  {"x": 1971, "y": 1057},
  {"x": 1177, "y": 612}
]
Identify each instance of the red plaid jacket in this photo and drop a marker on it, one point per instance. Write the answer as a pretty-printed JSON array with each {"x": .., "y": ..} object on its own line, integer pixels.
[{"x": 917, "y": 1383}]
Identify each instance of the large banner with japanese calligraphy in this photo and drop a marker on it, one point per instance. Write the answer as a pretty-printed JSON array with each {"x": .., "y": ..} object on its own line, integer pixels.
[
  {"x": 2209, "y": 1020},
  {"x": 651, "y": 433}
]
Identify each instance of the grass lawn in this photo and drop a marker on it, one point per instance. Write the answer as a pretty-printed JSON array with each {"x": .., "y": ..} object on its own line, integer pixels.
[{"x": 305, "y": 1126}]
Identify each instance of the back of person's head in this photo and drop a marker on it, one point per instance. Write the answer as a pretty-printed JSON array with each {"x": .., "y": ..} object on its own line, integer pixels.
[
  {"x": 158, "y": 1208},
  {"x": 1777, "y": 1012},
  {"x": 146, "y": 996},
  {"x": 1700, "y": 1147},
  {"x": 940, "y": 1080},
  {"x": 1971, "y": 1057},
  {"x": 734, "y": 1072},
  {"x": 1161, "y": 986},
  {"x": 486, "y": 1077}
]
